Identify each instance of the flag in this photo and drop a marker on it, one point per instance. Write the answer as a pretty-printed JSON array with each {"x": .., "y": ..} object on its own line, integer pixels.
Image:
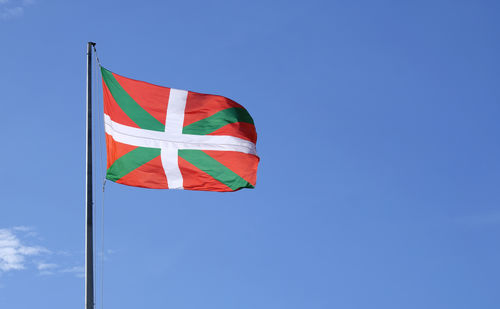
[{"x": 165, "y": 138}]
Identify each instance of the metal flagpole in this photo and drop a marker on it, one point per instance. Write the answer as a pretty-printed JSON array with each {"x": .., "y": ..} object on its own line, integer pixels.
[{"x": 89, "y": 238}]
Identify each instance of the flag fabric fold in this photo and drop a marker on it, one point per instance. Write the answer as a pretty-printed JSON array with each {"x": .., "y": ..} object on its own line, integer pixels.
[{"x": 165, "y": 138}]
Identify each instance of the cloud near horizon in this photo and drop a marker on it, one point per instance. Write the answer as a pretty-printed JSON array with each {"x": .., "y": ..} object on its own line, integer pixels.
[{"x": 14, "y": 254}]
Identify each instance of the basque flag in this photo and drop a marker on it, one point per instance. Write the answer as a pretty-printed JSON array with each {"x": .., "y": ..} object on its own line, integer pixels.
[{"x": 164, "y": 138}]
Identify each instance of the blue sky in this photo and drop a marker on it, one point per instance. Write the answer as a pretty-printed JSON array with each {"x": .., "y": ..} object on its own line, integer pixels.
[{"x": 378, "y": 137}]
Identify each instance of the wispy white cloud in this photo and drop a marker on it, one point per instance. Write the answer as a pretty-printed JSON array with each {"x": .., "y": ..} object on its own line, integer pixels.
[
  {"x": 46, "y": 269},
  {"x": 17, "y": 252},
  {"x": 45, "y": 266},
  {"x": 10, "y": 9},
  {"x": 106, "y": 255},
  {"x": 22, "y": 228},
  {"x": 14, "y": 254},
  {"x": 13, "y": 12},
  {"x": 78, "y": 271},
  {"x": 27, "y": 230}
]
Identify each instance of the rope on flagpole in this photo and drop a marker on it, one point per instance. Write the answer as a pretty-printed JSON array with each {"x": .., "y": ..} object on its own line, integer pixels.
[
  {"x": 102, "y": 243},
  {"x": 102, "y": 173},
  {"x": 96, "y": 57},
  {"x": 99, "y": 124}
]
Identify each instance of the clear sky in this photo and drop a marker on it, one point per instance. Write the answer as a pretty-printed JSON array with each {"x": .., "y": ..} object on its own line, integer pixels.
[{"x": 378, "y": 127}]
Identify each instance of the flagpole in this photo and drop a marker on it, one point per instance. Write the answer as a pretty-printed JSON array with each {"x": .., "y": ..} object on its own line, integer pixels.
[{"x": 89, "y": 237}]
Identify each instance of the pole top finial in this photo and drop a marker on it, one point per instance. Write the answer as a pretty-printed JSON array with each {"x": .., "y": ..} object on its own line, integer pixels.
[{"x": 92, "y": 43}]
